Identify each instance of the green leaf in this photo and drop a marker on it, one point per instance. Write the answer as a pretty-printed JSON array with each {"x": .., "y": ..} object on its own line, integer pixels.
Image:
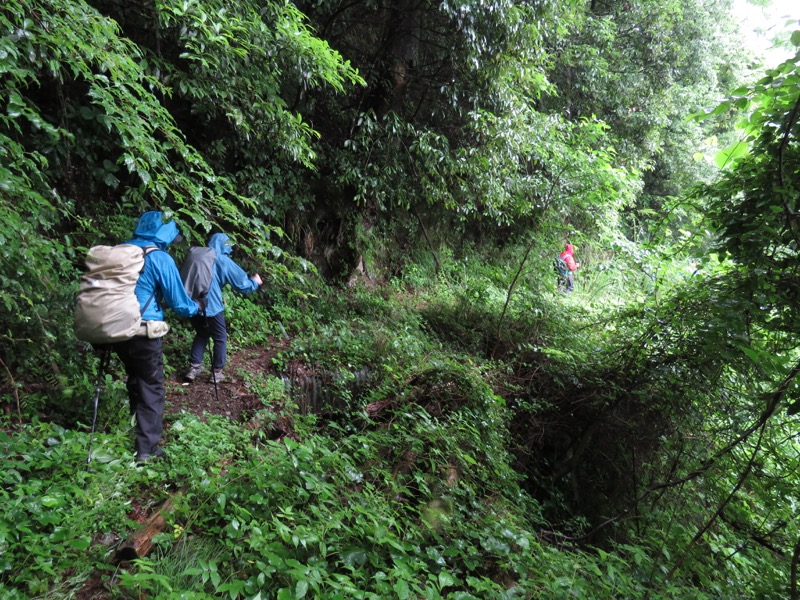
[
  {"x": 445, "y": 580},
  {"x": 355, "y": 558},
  {"x": 726, "y": 158},
  {"x": 402, "y": 590}
]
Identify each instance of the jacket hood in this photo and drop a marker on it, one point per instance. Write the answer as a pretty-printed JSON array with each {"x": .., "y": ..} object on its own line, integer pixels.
[
  {"x": 221, "y": 244},
  {"x": 569, "y": 249},
  {"x": 151, "y": 227}
]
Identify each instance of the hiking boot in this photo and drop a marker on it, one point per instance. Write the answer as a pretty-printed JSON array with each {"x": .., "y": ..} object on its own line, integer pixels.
[
  {"x": 216, "y": 376},
  {"x": 193, "y": 372},
  {"x": 157, "y": 454}
]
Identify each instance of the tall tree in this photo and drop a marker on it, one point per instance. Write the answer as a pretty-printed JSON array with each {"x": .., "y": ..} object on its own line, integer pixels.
[
  {"x": 642, "y": 67},
  {"x": 445, "y": 136}
]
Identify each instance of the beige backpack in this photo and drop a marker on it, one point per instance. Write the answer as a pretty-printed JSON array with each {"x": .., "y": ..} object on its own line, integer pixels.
[{"x": 107, "y": 310}]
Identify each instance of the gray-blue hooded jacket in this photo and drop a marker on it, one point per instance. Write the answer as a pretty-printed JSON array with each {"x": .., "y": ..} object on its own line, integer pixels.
[
  {"x": 160, "y": 271},
  {"x": 226, "y": 272}
]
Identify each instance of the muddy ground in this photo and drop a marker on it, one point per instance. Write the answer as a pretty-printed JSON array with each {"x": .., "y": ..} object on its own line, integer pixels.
[{"x": 232, "y": 397}]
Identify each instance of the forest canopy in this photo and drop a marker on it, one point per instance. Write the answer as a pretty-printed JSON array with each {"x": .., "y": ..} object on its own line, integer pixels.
[{"x": 425, "y": 412}]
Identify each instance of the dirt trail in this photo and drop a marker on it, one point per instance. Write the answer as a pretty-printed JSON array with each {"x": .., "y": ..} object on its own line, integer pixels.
[{"x": 233, "y": 398}]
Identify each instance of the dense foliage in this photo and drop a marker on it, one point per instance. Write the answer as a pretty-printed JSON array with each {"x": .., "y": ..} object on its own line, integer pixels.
[{"x": 480, "y": 434}]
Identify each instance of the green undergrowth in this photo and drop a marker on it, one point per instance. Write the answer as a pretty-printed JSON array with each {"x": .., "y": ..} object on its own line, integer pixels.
[
  {"x": 397, "y": 510},
  {"x": 406, "y": 484}
]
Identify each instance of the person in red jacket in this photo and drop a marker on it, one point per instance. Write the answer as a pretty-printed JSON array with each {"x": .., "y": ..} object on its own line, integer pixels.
[{"x": 569, "y": 259}]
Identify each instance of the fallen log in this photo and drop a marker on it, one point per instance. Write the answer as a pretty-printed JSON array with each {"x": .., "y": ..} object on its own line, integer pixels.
[{"x": 141, "y": 542}]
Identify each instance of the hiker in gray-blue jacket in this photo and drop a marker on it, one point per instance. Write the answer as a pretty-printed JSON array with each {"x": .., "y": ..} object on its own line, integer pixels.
[
  {"x": 142, "y": 355},
  {"x": 212, "y": 325}
]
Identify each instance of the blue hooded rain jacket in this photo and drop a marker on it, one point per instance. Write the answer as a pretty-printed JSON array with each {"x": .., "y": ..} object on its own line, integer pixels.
[
  {"x": 226, "y": 272},
  {"x": 160, "y": 271}
]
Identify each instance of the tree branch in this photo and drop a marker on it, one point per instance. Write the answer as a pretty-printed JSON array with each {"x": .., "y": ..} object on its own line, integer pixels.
[
  {"x": 793, "y": 595},
  {"x": 701, "y": 532}
]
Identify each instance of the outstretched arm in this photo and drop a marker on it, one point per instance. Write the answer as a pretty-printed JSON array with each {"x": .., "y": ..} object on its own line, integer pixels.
[
  {"x": 232, "y": 274},
  {"x": 172, "y": 290}
]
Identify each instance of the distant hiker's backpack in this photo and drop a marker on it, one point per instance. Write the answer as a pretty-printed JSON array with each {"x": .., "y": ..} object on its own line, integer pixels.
[
  {"x": 107, "y": 310},
  {"x": 560, "y": 266},
  {"x": 197, "y": 271}
]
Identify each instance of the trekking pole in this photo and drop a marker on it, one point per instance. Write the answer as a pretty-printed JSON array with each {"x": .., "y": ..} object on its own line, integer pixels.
[
  {"x": 216, "y": 387},
  {"x": 101, "y": 370},
  {"x": 213, "y": 372}
]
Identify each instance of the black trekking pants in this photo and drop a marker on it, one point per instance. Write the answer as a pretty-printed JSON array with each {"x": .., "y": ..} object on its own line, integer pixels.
[{"x": 144, "y": 364}]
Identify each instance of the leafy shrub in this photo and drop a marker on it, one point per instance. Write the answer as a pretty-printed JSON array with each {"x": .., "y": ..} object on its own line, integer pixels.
[{"x": 55, "y": 510}]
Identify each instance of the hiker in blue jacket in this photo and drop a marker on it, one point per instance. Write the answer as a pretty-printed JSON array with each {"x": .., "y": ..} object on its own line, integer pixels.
[
  {"x": 212, "y": 325},
  {"x": 142, "y": 355}
]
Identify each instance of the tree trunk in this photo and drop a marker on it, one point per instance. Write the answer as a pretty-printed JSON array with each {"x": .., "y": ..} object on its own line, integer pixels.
[{"x": 402, "y": 53}]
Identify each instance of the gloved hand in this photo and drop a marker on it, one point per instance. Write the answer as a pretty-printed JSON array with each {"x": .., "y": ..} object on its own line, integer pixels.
[{"x": 201, "y": 305}]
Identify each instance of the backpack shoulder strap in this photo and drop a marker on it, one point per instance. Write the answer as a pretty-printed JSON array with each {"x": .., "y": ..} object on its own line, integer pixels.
[{"x": 147, "y": 250}]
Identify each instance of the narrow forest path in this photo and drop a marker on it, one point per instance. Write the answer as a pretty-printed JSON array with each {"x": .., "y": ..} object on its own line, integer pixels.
[{"x": 233, "y": 397}]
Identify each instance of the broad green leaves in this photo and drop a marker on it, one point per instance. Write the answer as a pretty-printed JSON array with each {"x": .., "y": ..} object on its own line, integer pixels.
[
  {"x": 757, "y": 198},
  {"x": 238, "y": 60}
]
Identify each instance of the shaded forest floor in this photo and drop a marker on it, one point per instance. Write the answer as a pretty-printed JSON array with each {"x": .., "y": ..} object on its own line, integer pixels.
[{"x": 231, "y": 398}]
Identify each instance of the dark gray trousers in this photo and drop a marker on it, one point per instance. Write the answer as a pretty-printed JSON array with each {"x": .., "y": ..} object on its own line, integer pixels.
[
  {"x": 144, "y": 364},
  {"x": 210, "y": 328}
]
